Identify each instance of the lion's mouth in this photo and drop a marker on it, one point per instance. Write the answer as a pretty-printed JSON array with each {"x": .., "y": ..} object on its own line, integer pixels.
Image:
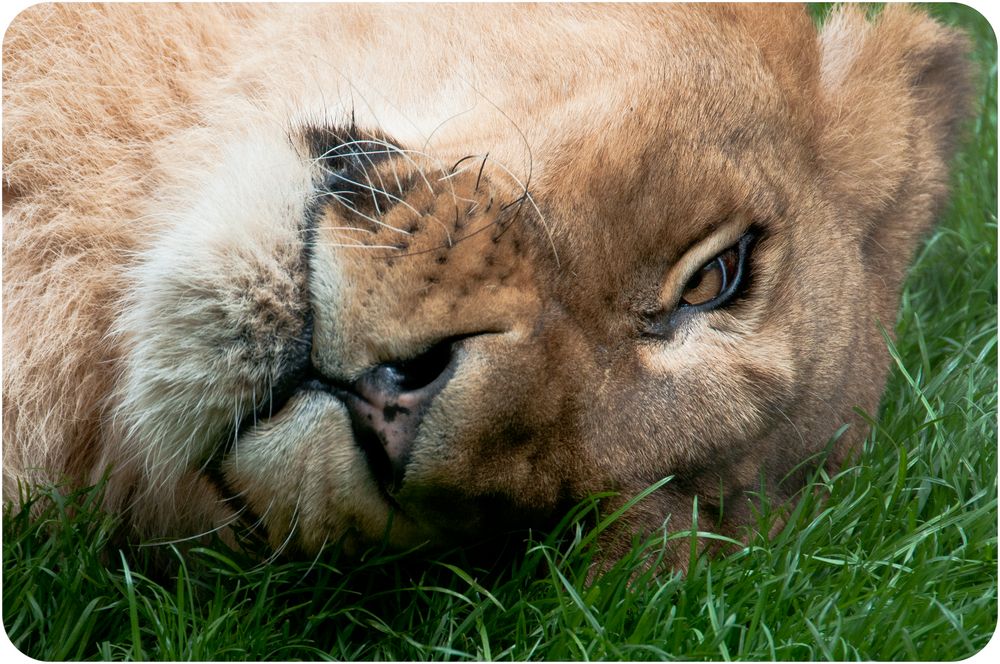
[
  {"x": 386, "y": 405},
  {"x": 278, "y": 407}
]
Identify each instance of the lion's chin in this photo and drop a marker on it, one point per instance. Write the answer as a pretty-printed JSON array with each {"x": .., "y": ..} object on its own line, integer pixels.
[{"x": 308, "y": 483}]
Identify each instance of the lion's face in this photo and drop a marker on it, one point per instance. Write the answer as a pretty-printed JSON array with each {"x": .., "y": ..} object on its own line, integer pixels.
[{"x": 425, "y": 296}]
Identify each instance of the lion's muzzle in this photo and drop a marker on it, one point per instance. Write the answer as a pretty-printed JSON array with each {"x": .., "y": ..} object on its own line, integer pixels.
[{"x": 387, "y": 404}]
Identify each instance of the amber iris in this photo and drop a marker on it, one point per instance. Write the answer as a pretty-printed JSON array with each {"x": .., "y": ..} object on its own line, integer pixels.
[{"x": 712, "y": 279}]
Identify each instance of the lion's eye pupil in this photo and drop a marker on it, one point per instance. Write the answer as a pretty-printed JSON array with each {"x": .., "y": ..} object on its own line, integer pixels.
[
  {"x": 706, "y": 284},
  {"x": 720, "y": 279},
  {"x": 713, "y": 279},
  {"x": 715, "y": 284}
]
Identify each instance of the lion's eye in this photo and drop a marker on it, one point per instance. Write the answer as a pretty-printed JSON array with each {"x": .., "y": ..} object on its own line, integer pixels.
[
  {"x": 711, "y": 280},
  {"x": 714, "y": 285},
  {"x": 720, "y": 279}
]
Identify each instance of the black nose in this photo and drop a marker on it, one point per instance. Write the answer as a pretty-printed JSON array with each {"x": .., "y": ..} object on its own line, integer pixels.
[{"x": 388, "y": 403}]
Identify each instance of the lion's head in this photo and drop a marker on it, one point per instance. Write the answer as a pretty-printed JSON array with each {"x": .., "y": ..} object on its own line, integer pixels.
[{"x": 425, "y": 273}]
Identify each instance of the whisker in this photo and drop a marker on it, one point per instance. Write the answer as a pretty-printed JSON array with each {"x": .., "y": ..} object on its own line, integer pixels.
[
  {"x": 394, "y": 149},
  {"x": 481, "y": 167},
  {"x": 349, "y": 228},
  {"x": 541, "y": 217},
  {"x": 375, "y": 191},
  {"x": 358, "y": 246},
  {"x": 292, "y": 527},
  {"x": 315, "y": 560},
  {"x": 373, "y": 220},
  {"x": 465, "y": 158},
  {"x": 222, "y": 526}
]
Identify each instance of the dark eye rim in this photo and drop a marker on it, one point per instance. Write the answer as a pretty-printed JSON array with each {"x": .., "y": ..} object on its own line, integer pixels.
[
  {"x": 731, "y": 288},
  {"x": 662, "y": 325}
]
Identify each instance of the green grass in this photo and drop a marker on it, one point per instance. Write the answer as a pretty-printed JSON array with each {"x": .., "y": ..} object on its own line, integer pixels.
[{"x": 895, "y": 558}]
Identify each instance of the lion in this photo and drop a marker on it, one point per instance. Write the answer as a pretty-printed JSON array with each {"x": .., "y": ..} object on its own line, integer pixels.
[{"x": 304, "y": 275}]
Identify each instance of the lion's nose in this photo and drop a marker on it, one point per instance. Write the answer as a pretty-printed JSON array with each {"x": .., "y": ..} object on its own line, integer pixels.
[{"x": 388, "y": 403}]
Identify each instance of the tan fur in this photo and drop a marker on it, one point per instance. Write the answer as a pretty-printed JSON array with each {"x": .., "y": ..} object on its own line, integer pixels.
[{"x": 558, "y": 174}]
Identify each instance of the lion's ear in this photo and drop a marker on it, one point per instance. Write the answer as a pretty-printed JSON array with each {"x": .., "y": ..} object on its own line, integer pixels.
[{"x": 894, "y": 92}]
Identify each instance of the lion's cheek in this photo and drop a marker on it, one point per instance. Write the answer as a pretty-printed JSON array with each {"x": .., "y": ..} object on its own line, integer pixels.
[{"x": 700, "y": 402}]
